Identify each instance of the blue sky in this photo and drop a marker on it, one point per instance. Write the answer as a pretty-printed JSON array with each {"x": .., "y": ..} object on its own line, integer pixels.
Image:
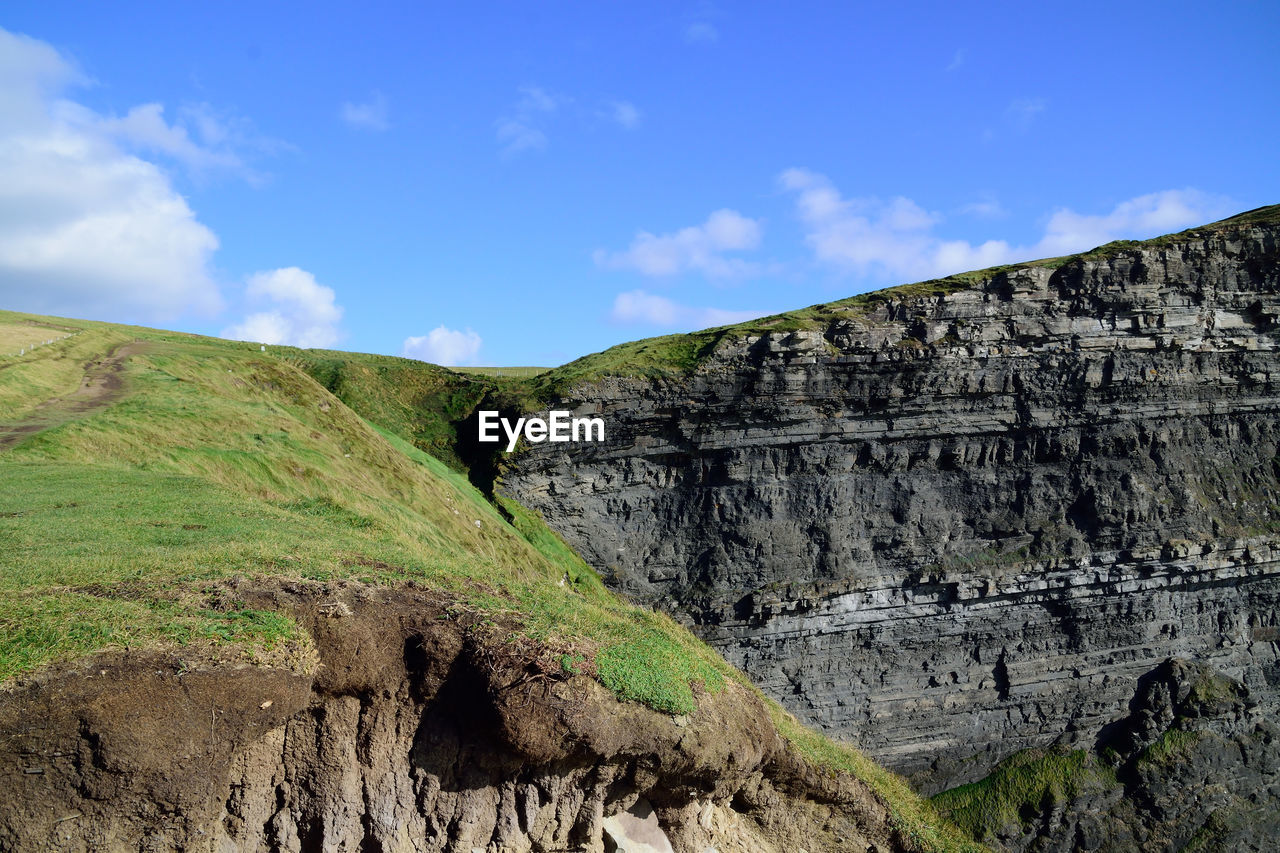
[{"x": 524, "y": 183}]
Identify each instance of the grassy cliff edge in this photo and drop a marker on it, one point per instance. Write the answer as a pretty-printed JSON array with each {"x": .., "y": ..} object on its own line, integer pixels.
[{"x": 145, "y": 475}]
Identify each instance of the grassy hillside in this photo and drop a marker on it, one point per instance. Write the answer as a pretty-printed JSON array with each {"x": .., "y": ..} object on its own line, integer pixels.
[
  {"x": 219, "y": 461},
  {"x": 144, "y": 473},
  {"x": 418, "y": 401}
]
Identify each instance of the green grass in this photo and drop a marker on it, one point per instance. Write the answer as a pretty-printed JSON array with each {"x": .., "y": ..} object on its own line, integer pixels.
[
  {"x": 508, "y": 372},
  {"x": 1268, "y": 215},
  {"x": 131, "y": 527},
  {"x": 1171, "y": 747},
  {"x": 48, "y": 371},
  {"x": 225, "y": 462},
  {"x": 921, "y": 825},
  {"x": 1020, "y": 787},
  {"x": 418, "y": 401},
  {"x": 16, "y": 336}
]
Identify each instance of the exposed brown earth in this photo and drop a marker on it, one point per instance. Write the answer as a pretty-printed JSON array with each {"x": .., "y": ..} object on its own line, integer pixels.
[
  {"x": 421, "y": 728},
  {"x": 103, "y": 384}
]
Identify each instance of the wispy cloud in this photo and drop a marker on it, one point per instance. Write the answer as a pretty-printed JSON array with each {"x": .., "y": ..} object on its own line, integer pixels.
[
  {"x": 987, "y": 207},
  {"x": 87, "y": 226},
  {"x": 1022, "y": 112},
  {"x": 699, "y": 248},
  {"x": 1017, "y": 119},
  {"x": 523, "y": 127},
  {"x": 957, "y": 60},
  {"x": 299, "y": 311},
  {"x": 443, "y": 345},
  {"x": 370, "y": 115},
  {"x": 895, "y": 239},
  {"x": 639, "y": 307},
  {"x": 624, "y": 113},
  {"x": 1138, "y": 218},
  {"x": 201, "y": 140},
  {"x": 145, "y": 127},
  {"x": 699, "y": 25}
]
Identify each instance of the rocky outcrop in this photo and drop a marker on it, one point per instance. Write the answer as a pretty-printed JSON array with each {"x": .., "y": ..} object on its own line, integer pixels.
[
  {"x": 955, "y": 525},
  {"x": 419, "y": 730},
  {"x": 1192, "y": 767}
]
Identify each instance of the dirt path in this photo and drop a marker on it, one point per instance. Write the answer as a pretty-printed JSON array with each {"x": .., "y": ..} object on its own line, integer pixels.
[{"x": 103, "y": 384}]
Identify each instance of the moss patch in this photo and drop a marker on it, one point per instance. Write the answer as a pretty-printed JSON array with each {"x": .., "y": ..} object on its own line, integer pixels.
[{"x": 1021, "y": 787}]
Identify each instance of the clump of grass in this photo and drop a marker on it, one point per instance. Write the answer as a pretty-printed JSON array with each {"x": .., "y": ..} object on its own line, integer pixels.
[
  {"x": 1212, "y": 688},
  {"x": 916, "y": 820},
  {"x": 1170, "y": 747},
  {"x": 1021, "y": 786},
  {"x": 639, "y": 668},
  {"x": 325, "y": 507}
]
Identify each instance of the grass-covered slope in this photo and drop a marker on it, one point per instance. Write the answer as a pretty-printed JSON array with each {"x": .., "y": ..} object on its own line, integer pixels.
[
  {"x": 145, "y": 474},
  {"x": 418, "y": 401},
  {"x": 216, "y": 460}
]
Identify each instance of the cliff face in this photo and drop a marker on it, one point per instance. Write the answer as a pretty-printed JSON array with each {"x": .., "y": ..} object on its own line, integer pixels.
[
  {"x": 418, "y": 731},
  {"x": 956, "y": 525}
]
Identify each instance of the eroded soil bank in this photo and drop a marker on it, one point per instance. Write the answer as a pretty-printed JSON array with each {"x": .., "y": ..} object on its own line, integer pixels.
[{"x": 419, "y": 729}]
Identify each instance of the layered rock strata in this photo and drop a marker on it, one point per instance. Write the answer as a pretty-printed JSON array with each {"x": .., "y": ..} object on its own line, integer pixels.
[{"x": 956, "y": 521}]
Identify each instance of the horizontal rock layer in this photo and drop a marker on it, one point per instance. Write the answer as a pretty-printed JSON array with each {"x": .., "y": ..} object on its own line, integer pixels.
[{"x": 952, "y": 526}]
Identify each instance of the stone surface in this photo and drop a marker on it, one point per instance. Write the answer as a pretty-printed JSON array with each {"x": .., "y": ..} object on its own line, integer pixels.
[
  {"x": 1196, "y": 762},
  {"x": 952, "y": 527},
  {"x": 635, "y": 830}
]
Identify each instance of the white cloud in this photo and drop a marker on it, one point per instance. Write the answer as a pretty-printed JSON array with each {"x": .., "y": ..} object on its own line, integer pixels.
[
  {"x": 443, "y": 345},
  {"x": 522, "y": 129},
  {"x": 957, "y": 60},
  {"x": 368, "y": 116},
  {"x": 697, "y": 248},
  {"x": 1145, "y": 216},
  {"x": 144, "y": 128},
  {"x": 639, "y": 306},
  {"x": 896, "y": 239},
  {"x": 87, "y": 228},
  {"x": 301, "y": 312},
  {"x": 624, "y": 113}
]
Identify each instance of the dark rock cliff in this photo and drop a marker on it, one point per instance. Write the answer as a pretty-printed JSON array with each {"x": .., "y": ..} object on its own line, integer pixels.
[{"x": 953, "y": 526}]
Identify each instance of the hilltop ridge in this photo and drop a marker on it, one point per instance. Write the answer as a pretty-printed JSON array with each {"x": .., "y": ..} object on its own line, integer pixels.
[{"x": 680, "y": 353}]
